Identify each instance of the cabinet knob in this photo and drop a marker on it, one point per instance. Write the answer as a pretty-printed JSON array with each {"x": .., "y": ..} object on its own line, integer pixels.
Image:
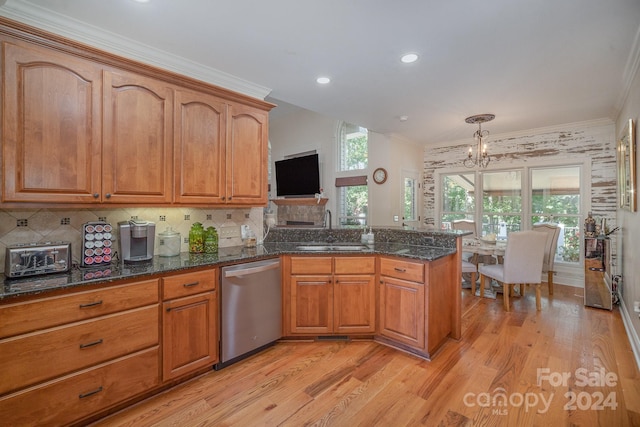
[
  {"x": 223, "y": 198},
  {"x": 96, "y": 195},
  {"x": 230, "y": 197},
  {"x": 108, "y": 195}
]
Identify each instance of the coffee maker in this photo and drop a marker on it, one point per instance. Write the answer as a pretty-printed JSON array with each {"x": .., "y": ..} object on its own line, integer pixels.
[{"x": 136, "y": 240}]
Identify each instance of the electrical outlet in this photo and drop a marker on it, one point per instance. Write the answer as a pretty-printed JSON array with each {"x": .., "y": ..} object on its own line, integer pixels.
[
  {"x": 229, "y": 231},
  {"x": 636, "y": 306}
]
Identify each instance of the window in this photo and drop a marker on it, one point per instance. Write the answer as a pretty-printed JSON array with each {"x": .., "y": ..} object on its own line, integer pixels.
[
  {"x": 555, "y": 197},
  {"x": 458, "y": 198},
  {"x": 515, "y": 199},
  {"x": 352, "y": 191},
  {"x": 353, "y": 150},
  {"x": 501, "y": 202}
]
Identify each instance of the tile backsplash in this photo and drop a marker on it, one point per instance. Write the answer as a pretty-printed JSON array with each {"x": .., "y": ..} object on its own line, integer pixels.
[{"x": 49, "y": 225}]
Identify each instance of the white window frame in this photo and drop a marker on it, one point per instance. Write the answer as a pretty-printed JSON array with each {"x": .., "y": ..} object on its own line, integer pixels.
[{"x": 572, "y": 273}]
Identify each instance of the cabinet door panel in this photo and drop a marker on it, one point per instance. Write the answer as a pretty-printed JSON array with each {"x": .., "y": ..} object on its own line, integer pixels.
[
  {"x": 190, "y": 334},
  {"x": 402, "y": 311},
  {"x": 311, "y": 304},
  {"x": 51, "y": 121},
  {"x": 138, "y": 139},
  {"x": 354, "y": 303},
  {"x": 200, "y": 144},
  {"x": 246, "y": 155}
]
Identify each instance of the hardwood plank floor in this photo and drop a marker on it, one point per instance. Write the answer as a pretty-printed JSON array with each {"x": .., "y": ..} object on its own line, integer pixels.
[{"x": 363, "y": 383}]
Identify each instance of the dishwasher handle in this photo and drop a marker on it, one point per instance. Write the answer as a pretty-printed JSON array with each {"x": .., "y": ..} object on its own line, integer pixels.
[{"x": 251, "y": 270}]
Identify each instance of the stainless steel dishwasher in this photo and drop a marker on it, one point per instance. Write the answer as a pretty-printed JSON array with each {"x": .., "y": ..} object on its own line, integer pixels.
[{"x": 250, "y": 309}]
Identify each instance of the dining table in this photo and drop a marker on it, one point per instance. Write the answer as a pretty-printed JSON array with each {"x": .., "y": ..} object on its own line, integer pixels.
[{"x": 483, "y": 252}]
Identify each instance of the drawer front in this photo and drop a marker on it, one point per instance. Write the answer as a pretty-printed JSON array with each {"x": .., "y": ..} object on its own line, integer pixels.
[
  {"x": 311, "y": 265},
  {"x": 77, "y": 396},
  {"x": 45, "y": 313},
  {"x": 182, "y": 285},
  {"x": 400, "y": 269},
  {"x": 355, "y": 265},
  {"x": 53, "y": 352}
]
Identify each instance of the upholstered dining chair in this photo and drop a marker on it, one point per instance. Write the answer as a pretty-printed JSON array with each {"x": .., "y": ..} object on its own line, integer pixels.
[
  {"x": 466, "y": 225},
  {"x": 553, "y": 232},
  {"x": 522, "y": 264}
]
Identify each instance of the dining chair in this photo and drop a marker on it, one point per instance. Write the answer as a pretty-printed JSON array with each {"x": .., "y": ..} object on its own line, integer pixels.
[
  {"x": 466, "y": 225},
  {"x": 523, "y": 259},
  {"x": 553, "y": 232},
  {"x": 472, "y": 269}
]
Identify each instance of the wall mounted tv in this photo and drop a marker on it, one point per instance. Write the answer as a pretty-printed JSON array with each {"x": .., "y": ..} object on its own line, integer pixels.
[{"x": 298, "y": 177}]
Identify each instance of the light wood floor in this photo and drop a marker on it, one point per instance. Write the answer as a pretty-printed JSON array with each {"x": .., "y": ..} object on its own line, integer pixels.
[{"x": 367, "y": 384}]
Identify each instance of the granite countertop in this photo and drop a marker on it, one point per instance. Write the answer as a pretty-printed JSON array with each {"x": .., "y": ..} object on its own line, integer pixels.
[{"x": 185, "y": 261}]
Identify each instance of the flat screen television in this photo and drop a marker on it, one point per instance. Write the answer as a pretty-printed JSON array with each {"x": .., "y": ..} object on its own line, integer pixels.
[{"x": 298, "y": 177}]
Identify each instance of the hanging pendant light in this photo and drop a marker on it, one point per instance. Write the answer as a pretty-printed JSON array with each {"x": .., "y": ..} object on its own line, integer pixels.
[{"x": 481, "y": 158}]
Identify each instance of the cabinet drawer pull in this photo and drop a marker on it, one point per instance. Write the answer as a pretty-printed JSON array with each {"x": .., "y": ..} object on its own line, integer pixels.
[
  {"x": 91, "y": 304},
  {"x": 400, "y": 270},
  {"x": 90, "y": 393},
  {"x": 190, "y": 285},
  {"x": 91, "y": 344}
]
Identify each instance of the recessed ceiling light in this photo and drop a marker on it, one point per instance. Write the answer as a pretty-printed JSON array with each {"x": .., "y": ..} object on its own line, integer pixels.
[
  {"x": 323, "y": 80},
  {"x": 141, "y": 1},
  {"x": 409, "y": 58},
  {"x": 403, "y": 118}
]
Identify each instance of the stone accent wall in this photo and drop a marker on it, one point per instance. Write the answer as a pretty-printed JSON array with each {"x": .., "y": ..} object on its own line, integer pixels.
[{"x": 301, "y": 213}]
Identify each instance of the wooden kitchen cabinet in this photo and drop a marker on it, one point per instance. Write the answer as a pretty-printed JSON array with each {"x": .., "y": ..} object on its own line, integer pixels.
[
  {"x": 85, "y": 127},
  {"x": 416, "y": 302},
  {"x": 330, "y": 295},
  {"x": 189, "y": 323},
  {"x": 200, "y": 139},
  {"x": 221, "y": 151},
  {"x": 246, "y": 155},
  {"x": 86, "y": 352},
  {"x": 51, "y": 119},
  {"x": 137, "y": 152}
]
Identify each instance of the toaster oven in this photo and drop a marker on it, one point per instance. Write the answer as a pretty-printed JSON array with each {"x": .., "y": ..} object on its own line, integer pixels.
[{"x": 32, "y": 259}]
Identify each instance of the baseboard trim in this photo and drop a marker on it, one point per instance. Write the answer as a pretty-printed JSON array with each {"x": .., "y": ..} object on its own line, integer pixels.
[{"x": 631, "y": 333}]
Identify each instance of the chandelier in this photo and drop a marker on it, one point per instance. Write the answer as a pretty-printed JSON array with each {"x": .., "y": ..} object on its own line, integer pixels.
[{"x": 481, "y": 159}]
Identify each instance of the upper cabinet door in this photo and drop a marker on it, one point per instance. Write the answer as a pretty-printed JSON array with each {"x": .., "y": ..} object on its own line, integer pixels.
[
  {"x": 246, "y": 157},
  {"x": 51, "y": 127},
  {"x": 137, "y": 139},
  {"x": 199, "y": 139}
]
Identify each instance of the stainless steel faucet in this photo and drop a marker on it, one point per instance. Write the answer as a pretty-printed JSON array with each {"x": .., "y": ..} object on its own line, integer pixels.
[{"x": 327, "y": 212}]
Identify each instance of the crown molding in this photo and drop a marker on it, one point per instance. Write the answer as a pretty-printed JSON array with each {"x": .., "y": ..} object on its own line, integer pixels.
[
  {"x": 56, "y": 23},
  {"x": 630, "y": 70}
]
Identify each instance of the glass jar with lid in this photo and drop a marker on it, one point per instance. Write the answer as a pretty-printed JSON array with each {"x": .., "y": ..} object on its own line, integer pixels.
[
  {"x": 196, "y": 238},
  {"x": 210, "y": 241},
  {"x": 168, "y": 243}
]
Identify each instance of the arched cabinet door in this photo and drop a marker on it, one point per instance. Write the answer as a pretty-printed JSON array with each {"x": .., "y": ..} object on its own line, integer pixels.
[
  {"x": 51, "y": 126},
  {"x": 246, "y": 155},
  {"x": 137, "y": 139},
  {"x": 199, "y": 138}
]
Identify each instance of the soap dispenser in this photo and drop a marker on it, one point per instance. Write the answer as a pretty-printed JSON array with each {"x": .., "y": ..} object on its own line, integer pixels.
[{"x": 370, "y": 237}]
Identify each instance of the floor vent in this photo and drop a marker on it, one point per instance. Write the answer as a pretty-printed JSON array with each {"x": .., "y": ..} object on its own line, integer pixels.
[{"x": 333, "y": 338}]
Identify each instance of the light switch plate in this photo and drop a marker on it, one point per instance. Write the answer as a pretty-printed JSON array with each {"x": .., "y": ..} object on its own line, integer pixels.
[{"x": 229, "y": 231}]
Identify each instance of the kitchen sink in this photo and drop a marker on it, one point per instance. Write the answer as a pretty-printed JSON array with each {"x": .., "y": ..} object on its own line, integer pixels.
[{"x": 329, "y": 247}]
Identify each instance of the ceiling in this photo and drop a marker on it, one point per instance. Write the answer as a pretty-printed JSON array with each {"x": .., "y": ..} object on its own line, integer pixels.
[{"x": 531, "y": 63}]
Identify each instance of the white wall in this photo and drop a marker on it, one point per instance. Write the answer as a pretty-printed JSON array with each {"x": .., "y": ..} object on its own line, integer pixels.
[
  {"x": 629, "y": 222},
  {"x": 303, "y": 130}
]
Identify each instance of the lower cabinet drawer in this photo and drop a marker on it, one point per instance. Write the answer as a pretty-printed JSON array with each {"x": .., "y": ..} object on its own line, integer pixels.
[
  {"x": 29, "y": 359},
  {"x": 79, "y": 395},
  {"x": 401, "y": 269}
]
